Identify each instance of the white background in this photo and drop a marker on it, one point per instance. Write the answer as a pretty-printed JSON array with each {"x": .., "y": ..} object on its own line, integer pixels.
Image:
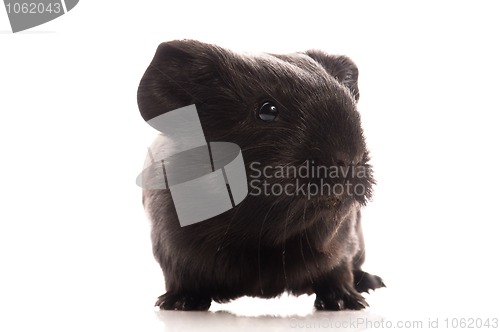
[{"x": 74, "y": 241}]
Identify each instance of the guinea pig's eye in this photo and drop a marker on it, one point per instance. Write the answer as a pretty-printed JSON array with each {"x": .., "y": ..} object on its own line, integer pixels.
[{"x": 267, "y": 112}]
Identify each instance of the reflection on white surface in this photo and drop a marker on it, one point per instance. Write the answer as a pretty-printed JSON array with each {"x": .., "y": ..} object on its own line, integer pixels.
[
  {"x": 228, "y": 321},
  {"x": 247, "y": 314}
]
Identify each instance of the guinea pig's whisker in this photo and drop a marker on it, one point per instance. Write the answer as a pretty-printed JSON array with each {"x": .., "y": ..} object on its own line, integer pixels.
[
  {"x": 258, "y": 247},
  {"x": 357, "y": 259},
  {"x": 302, "y": 248},
  {"x": 261, "y": 146},
  {"x": 309, "y": 243},
  {"x": 284, "y": 245},
  {"x": 227, "y": 229},
  {"x": 257, "y": 147}
]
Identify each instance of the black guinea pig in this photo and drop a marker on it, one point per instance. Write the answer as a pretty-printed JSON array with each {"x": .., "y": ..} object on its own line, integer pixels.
[{"x": 287, "y": 113}]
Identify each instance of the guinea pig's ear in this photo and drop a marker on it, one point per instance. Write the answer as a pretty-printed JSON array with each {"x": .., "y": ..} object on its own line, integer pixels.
[
  {"x": 340, "y": 67},
  {"x": 178, "y": 76}
]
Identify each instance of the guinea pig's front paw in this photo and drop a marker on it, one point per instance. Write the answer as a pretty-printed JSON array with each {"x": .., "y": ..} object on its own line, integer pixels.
[
  {"x": 336, "y": 291},
  {"x": 364, "y": 281},
  {"x": 340, "y": 300},
  {"x": 176, "y": 301}
]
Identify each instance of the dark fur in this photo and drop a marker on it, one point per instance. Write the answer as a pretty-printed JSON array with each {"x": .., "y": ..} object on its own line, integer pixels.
[{"x": 266, "y": 245}]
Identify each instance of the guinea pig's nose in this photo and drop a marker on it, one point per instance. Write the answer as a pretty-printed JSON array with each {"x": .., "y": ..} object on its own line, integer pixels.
[{"x": 346, "y": 159}]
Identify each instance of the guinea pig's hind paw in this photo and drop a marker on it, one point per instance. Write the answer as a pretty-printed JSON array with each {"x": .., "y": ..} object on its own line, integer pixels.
[
  {"x": 337, "y": 302},
  {"x": 364, "y": 281},
  {"x": 174, "y": 301}
]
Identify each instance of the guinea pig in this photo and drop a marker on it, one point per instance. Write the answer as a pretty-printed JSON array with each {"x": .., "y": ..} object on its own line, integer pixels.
[{"x": 295, "y": 118}]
